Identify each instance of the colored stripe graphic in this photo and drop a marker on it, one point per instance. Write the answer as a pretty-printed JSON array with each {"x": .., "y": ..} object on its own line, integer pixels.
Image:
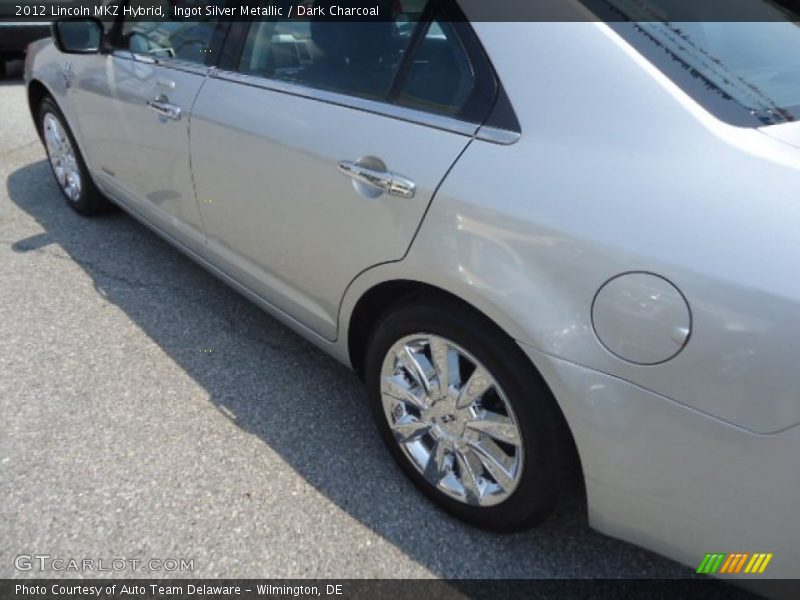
[
  {"x": 703, "y": 564},
  {"x": 723, "y": 562},
  {"x": 765, "y": 563},
  {"x": 731, "y": 560},
  {"x": 741, "y": 562},
  {"x": 711, "y": 562},
  {"x": 718, "y": 563},
  {"x": 754, "y": 563},
  {"x": 759, "y": 563}
]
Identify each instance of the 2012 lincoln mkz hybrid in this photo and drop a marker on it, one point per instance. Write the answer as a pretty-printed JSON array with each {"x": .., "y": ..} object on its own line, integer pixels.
[{"x": 542, "y": 245}]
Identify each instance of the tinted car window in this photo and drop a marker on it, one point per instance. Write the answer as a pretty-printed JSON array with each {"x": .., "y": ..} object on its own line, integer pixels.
[
  {"x": 422, "y": 58},
  {"x": 747, "y": 73},
  {"x": 356, "y": 58},
  {"x": 179, "y": 39},
  {"x": 441, "y": 78}
]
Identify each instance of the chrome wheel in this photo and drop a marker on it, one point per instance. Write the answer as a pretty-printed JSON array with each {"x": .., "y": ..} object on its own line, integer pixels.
[
  {"x": 62, "y": 157},
  {"x": 451, "y": 419}
]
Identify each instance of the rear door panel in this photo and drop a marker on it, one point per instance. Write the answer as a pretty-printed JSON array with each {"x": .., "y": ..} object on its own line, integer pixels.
[{"x": 280, "y": 216}]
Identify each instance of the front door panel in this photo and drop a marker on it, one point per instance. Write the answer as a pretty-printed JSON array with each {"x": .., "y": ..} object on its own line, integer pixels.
[
  {"x": 155, "y": 103},
  {"x": 108, "y": 143},
  {"x": 134, "y": 106}
]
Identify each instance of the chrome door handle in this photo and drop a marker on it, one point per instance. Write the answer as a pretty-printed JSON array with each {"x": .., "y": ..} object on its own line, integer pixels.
[
  {"x": 164, "y": 108},
  {"x": 386, "y": 181}
]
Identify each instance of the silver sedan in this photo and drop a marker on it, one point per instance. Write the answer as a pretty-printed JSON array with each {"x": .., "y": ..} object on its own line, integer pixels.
[{"x": 546, "y": 247}]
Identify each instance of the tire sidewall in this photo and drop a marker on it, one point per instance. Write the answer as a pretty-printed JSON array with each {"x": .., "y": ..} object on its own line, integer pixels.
[{"x": 535, "y": 493}]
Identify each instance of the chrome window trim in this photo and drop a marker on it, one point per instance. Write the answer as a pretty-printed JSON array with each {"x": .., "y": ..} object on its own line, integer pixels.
[
  {"x": 128, "y": 55},
  {"x": 385, "y": 109},
  {"x": 167, "y": 63},
  {"x": 496, "y": 135}
]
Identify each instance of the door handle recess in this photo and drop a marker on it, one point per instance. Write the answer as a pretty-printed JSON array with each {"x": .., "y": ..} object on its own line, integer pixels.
[
  {"x": 164, "y": 108},
  {"x": 386, "y": 181}
]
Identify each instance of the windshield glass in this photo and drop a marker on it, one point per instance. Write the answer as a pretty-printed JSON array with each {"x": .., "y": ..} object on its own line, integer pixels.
[{"x": 747, "y": 73}]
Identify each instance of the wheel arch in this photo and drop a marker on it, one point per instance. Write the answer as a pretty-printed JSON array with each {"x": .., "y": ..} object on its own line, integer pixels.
[
  {"x": 381, "y": 297},
  {"x": 37, "y": 92},
  {"x": 363, "y": 307},
  {"x": 376, "y": 301}
]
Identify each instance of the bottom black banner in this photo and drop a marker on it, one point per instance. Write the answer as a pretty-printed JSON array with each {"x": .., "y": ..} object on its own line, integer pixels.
[{"x": 346, "y": 589}]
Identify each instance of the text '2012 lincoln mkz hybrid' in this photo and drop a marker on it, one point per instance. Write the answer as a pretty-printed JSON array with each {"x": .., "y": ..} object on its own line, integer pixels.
[{"x": 544, "y": 246}]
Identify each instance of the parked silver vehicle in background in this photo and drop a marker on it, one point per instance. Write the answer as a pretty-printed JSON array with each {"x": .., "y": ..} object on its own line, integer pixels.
[{"x": 542, "y": 245}]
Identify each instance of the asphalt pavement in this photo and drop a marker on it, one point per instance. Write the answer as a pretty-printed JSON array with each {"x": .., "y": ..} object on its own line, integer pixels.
[{"x": 149, "y": 411}]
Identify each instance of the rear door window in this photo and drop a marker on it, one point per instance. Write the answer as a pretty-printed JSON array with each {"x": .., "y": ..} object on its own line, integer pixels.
[
  {"x": 417, "y": 58},
  {"x": 358, "y": 58}
]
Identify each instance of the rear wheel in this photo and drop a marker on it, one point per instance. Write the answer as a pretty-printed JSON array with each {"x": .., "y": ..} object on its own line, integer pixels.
[
  {"x": 67, "y": 164},
  {"x": 2, "y": 68},
  {"x": 466, "y": 416}
]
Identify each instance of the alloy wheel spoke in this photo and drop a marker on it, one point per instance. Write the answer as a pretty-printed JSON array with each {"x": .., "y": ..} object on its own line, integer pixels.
[
  {"x": 396, "y": 387},
  {"x": 497, "y": 426},
  {"x": 495, "y": 461},
  {"x": 435, "y": 469},
  {"x": 52, "y": 146},
  {"x": 408, "y": 429},
  {"x": 417, "y": 367},
  {"x": 476, "y": 386},
  {"x": 468, "y": 467},
  {"x": 445, "y": 362},
  {"x": 73, "y": 191}
]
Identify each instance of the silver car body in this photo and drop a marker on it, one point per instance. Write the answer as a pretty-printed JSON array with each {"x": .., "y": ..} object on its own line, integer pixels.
[{"x": 616, "y": 171}]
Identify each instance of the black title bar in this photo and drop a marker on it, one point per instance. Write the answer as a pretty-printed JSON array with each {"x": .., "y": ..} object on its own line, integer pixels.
[{"x": 390, "y": 10}]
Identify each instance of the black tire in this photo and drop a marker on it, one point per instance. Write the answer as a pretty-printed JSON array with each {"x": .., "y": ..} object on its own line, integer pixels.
[
  {"x": 547, "y": 444},
  {"x": 90, "y": 201},
  {"x": 3, "y": 71}
]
